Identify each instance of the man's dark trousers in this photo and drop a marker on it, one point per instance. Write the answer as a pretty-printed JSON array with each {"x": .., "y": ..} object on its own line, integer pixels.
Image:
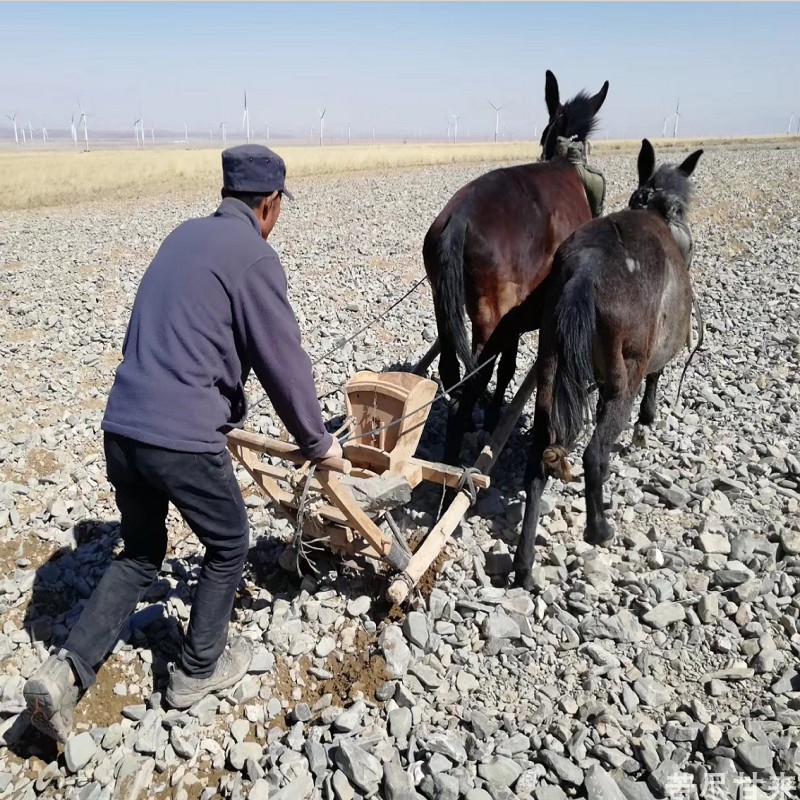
[{"x": 203, "y": 487}]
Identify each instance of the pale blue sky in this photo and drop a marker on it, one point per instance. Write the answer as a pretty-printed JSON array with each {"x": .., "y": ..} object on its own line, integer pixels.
[{"x": 400, "y": 66}]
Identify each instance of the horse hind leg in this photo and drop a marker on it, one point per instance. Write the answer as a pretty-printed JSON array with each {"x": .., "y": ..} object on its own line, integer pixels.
[
  {"x": 505, "y": 374},
  {"x": 647, "y": 409},
  {"x": 611, "y": 422}
]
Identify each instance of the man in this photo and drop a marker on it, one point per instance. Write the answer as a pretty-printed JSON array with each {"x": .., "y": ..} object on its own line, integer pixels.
[{"x": 212, "y": 305}]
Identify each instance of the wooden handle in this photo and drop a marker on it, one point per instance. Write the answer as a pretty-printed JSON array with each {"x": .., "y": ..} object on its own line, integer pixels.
[{"x": 285, "y": 450}]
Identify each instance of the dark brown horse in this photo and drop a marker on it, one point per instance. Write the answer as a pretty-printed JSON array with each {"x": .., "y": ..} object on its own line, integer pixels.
[
  {"x": 618, "y": 311},
  {"x": 491, "y": 247}
]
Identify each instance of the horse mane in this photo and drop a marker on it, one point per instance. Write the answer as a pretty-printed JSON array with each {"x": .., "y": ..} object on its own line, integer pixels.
[
  {"x": 581, "y": 122},
  {"x": 668, "y": 192}
]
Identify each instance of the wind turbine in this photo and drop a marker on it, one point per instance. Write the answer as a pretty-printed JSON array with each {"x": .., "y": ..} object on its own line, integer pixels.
[
  {"x": 152, "y": 132},
  {"x": 497, "y": 110},
  {"x": 82, "y": 119},
  {"x": 246, "y": 119},
  {"x": 455, "y": 126},
  {"x": 222, "y": 131},
  {"x": 24, "y": 138},
  {"x": 268, "y": 134},
  {"x": 13, "y": 118},
  {"x": 676, "y": 115},
  {"x": 789, "y": 128},
  {"x": 45, "y": 137},
  {"x": 449, "y": 125},
  {"x": 664, "y": 131},
  {"x": 185, "y": 133},
  {"x": 30, "y": 131},
  {"x": 321, "y": 124},
  {"x": 348, "y": 133},
  {"x": 136, "y": 130},
  {"x": 73, "y": 131}
]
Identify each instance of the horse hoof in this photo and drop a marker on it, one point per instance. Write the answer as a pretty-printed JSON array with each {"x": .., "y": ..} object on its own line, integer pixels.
[
  {"x": 523, "y": 579},
  {"x": 603, "y": 536}
]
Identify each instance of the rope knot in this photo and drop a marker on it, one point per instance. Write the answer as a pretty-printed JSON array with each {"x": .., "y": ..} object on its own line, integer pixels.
[{"x": 556, "y": 461}]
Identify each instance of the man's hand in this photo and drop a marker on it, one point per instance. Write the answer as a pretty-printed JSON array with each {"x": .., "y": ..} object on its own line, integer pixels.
[{"x": 334, "y": 451}]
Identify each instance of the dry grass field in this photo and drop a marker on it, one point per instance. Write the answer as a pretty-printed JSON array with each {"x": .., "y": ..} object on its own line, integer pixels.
[{"x": 52, "y": 178}]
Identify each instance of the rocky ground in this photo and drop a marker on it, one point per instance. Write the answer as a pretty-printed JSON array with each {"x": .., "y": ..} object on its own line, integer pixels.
[{"x": 669, "y": 658}]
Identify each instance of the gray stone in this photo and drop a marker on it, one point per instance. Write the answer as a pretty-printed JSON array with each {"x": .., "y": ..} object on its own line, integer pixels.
[
  {"x": 563, "y": 767},
  {"x": 341, "y": 786},
  {"x": 664, "y": 614},
  {"x": 634, "y": 790},
  {"x": 381, "y": 493},
  {"x": 400, "y": 723},
  {"x": 134, "y": 778},
  {"x": 500, "y": 771},
  {"x": 79, "y": 751},
  {"x": 297, "y": 789},
  {"x": 662, "y": 775},
  {"x": 149, "y": 734},
  {"x": 754, "y": 756},
  {"x": 546, "y": 791},
  {"x": 360, "y": 767},
  {"x": 652, "y": 693},
  {"x": 396, "y": 652},
  {"x": 397, "y": 783},
  {"x": 621, "y": 627},
  {"x": 415, "y": 628},
  {"x": 500, "y": 626},
  {"x": 448, "y": 745},
  {"x": 241, "y": 751},
  {"x": 601, "y": 786},
  {"x": 359, "y": 606},
  {"x": 183, "y": 743},
  {"x": 263, "y": 661},
  {"x": 239, "y": 729},
  {"x": 259, "y": 790},
  {"x": 714, "y": 543}
]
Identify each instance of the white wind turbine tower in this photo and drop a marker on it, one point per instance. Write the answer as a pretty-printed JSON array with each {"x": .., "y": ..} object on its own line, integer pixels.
[
  {"x": 449, "y": 125},
  {"x": 45, "y": 137},
  {"x": 321, "y": 124},
  {"x": 152, "y": 132},
  {"x": 268, "y": 134},
  {"x": 497, "y": 110},
  {"x": 246, "y": 119},
  {"x": 82, "y": 119},
  {"x": 136, "y": 130},
  {"x": 30, "y": 131},
  {"x": 24, "y": 138},
  {"x": 185, "y": 133},
  {"x": 676, "y": 115},
  {"x": 791, "y": 120},
  {"x": 348, "y": 133},
  {"x": 73, "y": 131},
  {"x": 664, "y": 131},
  {"x": 13, "y": 118},
  {"x": 222, "y": 131},
  {"x": 455, "y": 126}
]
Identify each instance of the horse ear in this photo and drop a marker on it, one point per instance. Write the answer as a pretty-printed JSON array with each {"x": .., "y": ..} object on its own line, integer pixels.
[
  {"x": 687, "y": 168},
  {"x": 597, "y": 101},
  {"x": 551, "y": 96},
  {"x": 646, "y": 163}
]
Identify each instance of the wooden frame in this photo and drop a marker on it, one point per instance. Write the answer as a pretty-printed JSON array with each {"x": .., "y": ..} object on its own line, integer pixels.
[{"x": 374, "y": 401}]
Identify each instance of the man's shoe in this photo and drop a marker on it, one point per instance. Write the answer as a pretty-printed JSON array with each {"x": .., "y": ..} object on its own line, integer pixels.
[
  {"x": 184, "y": 691},
  {"x": 51, "y": 697}
]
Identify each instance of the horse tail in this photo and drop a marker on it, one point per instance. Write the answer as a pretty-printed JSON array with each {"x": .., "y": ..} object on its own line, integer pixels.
[
  {"x": 575, "y": 317},
  {"x": 449, "y": 293}
]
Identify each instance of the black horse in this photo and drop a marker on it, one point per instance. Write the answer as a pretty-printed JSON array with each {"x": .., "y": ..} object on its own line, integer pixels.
[
  {"x": 491, "y": 248},
  {"x": 618, "y": 311}
]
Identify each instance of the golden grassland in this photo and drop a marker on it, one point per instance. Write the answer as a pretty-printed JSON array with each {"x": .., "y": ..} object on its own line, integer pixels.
[{"x": 56, "y": 178}]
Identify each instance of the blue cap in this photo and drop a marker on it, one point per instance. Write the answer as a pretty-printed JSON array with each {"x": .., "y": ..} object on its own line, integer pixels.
[{"x": 254, "y": 168}]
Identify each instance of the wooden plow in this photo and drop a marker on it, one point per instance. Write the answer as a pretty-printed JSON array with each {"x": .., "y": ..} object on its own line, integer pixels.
[{"x": 386, "y": 414}]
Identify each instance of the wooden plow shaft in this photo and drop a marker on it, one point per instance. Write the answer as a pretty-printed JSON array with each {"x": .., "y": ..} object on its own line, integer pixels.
[{"x": 436, "y": 540}]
